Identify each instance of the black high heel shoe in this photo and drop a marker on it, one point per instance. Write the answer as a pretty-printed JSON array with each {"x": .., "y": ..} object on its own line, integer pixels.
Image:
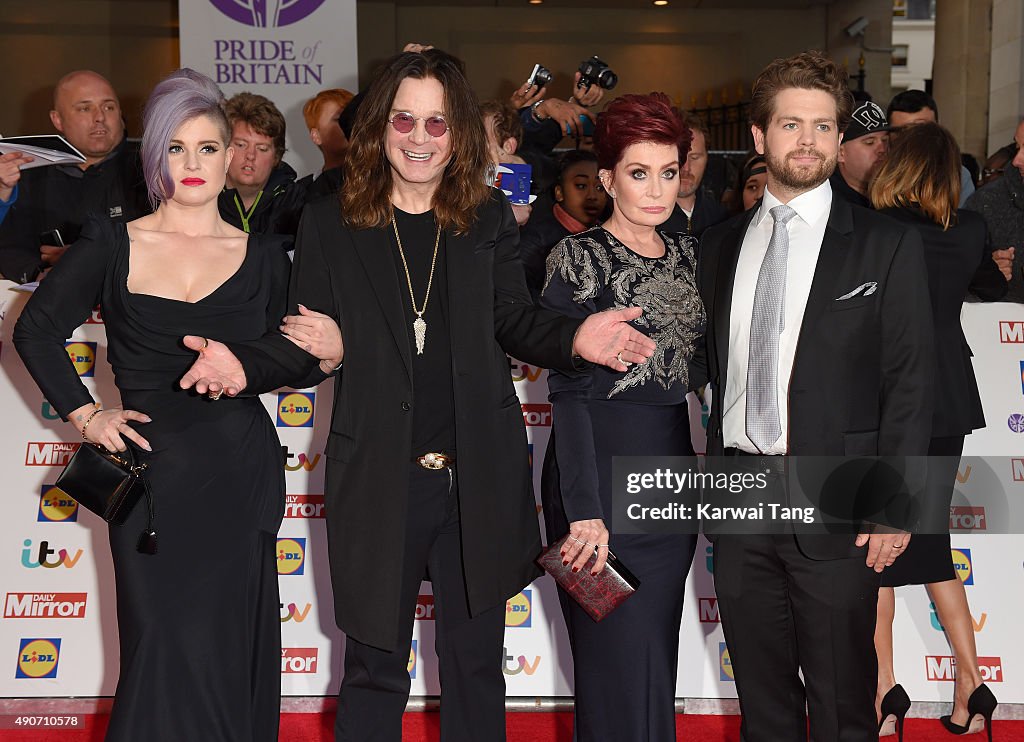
[
  {"x": 981, "y": 703},
  {"x": 895, "y": 704}
]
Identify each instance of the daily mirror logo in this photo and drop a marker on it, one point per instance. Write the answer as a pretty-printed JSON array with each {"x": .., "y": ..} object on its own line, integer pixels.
[{"x": 45, "y": 605}]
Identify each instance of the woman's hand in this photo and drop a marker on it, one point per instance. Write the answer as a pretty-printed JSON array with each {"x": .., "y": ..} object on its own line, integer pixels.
[
  {"x": 107, "y": 427},
  {"x": 317, "y": 334},
  {"x": 585, "y": 538}
]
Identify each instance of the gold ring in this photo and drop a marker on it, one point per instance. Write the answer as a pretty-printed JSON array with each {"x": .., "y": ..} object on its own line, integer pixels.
[
  {"x": 206, "y": 343},
  {"x": 215, "y": 395}
]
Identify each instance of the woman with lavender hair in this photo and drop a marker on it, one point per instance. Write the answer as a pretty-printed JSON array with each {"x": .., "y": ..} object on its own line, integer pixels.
[{"x": 199, "y": 619}]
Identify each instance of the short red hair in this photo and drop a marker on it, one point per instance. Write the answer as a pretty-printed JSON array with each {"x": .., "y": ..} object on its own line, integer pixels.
[{"x": 631, "y": 119}]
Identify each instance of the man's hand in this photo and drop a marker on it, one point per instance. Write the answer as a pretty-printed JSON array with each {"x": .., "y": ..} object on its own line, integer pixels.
[
  {"x": 215, "y": 371},
  {"x": 527, "y": 96},
  {"x": 521, "y": 213},
  {"x": 412, "y": 46},
  {"x": 50, "y": 254},
  {"x": 607, "y": 339},
  {"x": 565, "y": 114},
  {"x": 10, "y": 172},
  {"x": 1004, "y": 259},
  {"x": 883, "y": 548},
  {"x": 588, "y": 96}
]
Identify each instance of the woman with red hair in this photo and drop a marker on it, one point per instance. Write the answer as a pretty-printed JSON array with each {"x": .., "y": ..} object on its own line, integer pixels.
[{"x": 625, "y": 666}]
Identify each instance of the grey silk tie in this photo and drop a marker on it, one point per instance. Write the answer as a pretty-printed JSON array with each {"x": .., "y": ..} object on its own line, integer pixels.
[{"x": 766, "y": 324}]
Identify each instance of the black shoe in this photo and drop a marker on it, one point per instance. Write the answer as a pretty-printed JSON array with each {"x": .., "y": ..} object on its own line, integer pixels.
[
  {"x": 981, "y": 703},
  {"x": 896, "y": 704}
]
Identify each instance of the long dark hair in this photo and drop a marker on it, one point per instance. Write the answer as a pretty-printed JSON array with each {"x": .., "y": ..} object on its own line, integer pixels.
[{"x": 366, "y": 198}]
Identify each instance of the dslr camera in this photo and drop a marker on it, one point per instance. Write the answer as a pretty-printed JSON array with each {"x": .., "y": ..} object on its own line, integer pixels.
[
  {"x": 540, "y": 76},
  {"x": 594, "y": 70}
]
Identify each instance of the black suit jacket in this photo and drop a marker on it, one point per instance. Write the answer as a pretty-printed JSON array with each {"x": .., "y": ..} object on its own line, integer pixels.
[
  {"x": 862, "y": 374},
  {"x": 351, "y": 275},
  {"x": 959, "y": 260}
]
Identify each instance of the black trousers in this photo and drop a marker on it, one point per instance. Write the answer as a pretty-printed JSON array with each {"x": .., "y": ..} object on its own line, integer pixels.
[
  {"x": 783, "y": 612},
  {"x": 375, "y": 688}
]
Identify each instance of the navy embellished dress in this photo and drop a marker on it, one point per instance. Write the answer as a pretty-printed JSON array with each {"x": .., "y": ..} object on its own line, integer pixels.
[{"x": 624, "y": 666}]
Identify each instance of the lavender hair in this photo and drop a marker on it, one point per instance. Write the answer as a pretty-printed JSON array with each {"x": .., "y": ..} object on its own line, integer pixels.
[{"x": 181, "y": 96}]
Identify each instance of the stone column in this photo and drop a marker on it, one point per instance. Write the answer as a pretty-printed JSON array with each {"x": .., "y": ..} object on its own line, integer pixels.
[
  {"x": 960, "y": 70},
  {"x": 1006, "y": 85}
]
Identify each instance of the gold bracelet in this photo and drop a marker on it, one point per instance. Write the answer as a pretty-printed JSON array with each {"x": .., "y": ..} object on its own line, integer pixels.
[{"x": 89, "y": 420}]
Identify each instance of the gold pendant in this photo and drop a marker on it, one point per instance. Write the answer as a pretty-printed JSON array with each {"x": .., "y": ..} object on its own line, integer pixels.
[{"x": 419, "y": 331}]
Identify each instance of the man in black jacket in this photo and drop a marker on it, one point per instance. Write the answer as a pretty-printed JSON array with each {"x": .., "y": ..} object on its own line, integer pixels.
[
  {"x": 59, "y": 198},
  {"x": 261, "y": 195},
  {"x": 696, "y": 208},
  {"x": 864, "y": 144},
  {"x": 819, "y": 343}
]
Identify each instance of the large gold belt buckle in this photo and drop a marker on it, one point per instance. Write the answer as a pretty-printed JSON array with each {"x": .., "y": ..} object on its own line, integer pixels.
[{"x": 434, "y": 460}]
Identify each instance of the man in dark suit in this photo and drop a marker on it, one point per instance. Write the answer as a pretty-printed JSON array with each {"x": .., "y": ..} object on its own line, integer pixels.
[{"x": 819, "y": 342}]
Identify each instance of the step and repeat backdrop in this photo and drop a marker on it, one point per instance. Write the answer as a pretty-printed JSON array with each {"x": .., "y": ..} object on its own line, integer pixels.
[{"x": 58, "y": 630}]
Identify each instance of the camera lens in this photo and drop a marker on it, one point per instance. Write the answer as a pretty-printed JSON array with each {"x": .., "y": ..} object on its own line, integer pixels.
[{"x": 607, "y": 79}]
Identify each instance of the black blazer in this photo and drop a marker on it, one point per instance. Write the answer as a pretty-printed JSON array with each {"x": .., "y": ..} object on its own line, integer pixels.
[
  {"x": 959, "y": 261},
  {"x": 862, "y": 374},
  {"x": 351, "y": 275}
]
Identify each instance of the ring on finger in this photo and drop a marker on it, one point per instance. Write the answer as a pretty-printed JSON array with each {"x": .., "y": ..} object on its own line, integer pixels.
[
  {"x": 215, "y": 395},
  {"x": 576, "y": 539},
  {"x": 618, "y": 357}
]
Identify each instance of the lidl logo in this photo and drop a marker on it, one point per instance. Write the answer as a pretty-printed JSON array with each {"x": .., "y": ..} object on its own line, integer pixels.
[
  {"x": 55, "y": 506},
  {"x": 83, "y": 355},
  {"x": 44, "y": 605},
  {"x": 944, "y": 668},
  {"x": 299, "y": 660},
  {"x": 963, "y": 566},
  {"x": 294, "y": 613},
  {"x": 291, "y": 556},
  {"x": 303, "y": 506},
  {"x": 708, "y": 610},
  {"x": 295, "y": 409},
  {"x": 425, "y": 608},
  {"x": 38, "y": 658},
  {"x": 519, "y": 610},
  {"x": 411, "y": 666},
  {"x": 537, "y": 415},
  {"x": 724, "y": 664},
  {"x": 42, "y": 556},
  {"x": 49, "y": 454}
]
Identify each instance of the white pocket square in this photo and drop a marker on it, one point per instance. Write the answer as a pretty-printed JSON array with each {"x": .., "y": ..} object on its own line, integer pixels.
[{"x": 865, "y": 289}]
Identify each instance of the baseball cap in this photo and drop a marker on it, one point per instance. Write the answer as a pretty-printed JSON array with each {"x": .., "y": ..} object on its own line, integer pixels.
[{"x": 868, "y": 118}]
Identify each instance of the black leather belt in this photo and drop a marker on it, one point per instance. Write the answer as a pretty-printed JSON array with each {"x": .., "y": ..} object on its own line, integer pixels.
[
  {"x": 434, "y": 460},
  {"x": 769, "y": 464}
]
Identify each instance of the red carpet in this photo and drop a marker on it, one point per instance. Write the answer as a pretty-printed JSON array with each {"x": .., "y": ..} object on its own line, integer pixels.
[{"x": 522, "y": 727}]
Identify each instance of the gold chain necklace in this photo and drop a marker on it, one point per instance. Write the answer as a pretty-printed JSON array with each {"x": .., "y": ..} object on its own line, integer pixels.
[{"x": 419, "y": 325}]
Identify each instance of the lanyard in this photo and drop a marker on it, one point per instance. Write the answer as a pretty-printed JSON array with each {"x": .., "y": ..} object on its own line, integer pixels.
[{"x": 246, "y": 215}]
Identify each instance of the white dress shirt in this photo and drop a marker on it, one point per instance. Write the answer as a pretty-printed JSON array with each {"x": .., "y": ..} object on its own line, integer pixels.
[{"x": 806, "y": 231}]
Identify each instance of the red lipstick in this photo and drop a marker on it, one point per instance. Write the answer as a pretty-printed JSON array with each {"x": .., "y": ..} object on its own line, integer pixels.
[{"x": 193, "y": 182}]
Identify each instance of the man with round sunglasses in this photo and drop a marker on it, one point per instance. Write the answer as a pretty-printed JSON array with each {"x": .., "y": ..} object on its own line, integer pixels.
[{"x": 411, "y": 292}]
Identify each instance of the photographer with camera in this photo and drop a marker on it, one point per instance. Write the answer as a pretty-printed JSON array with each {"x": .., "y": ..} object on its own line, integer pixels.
[{"x": 546, "y": 121}]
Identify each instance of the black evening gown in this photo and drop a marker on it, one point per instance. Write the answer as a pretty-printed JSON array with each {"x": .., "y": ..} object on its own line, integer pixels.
[
  {"x": 198, "y": 621},
  {"x": 624, "y": 667}
]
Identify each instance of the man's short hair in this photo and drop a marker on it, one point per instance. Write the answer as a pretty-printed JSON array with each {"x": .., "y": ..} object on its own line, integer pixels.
[
  {"x": 260, "y": 114},
  {"x": 315, "y": 105},
  {"x": 808, "y": 70},
  {"x": 507, "y": 124},
  {"x": 697, "y": 124},
  {"x": 912, "y": 101}
]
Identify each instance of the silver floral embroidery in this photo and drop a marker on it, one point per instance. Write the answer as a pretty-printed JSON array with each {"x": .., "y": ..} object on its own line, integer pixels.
[{"x": 594, "y": 261}]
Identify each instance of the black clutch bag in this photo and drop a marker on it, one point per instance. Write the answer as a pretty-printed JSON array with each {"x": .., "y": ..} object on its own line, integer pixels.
[
  {"x": 109, "y": 485},
  {"x": 598, "y": 594}
]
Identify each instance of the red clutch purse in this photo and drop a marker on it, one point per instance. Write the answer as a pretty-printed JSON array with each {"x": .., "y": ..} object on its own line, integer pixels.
[{"x": 598, "y": 594}]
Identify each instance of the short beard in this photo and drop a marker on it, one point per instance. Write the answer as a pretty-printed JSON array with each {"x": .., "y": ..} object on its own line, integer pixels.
[{"x": 800, "y": 178}]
